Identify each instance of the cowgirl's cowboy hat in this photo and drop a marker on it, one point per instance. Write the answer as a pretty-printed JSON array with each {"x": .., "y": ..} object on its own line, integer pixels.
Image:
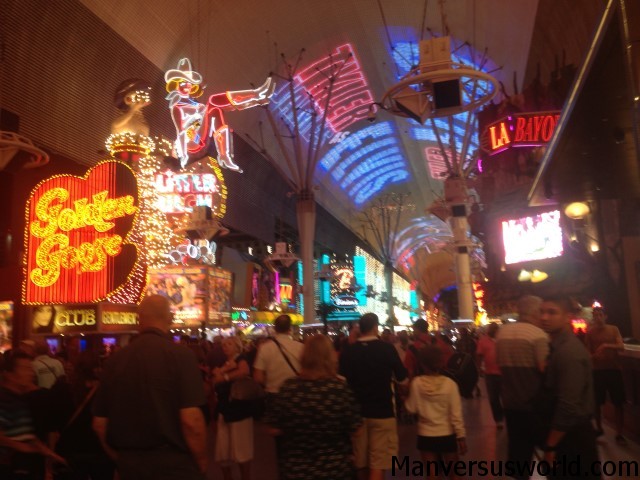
[
  {"x": 126, "y": 87},
  {"x": 183, "y": 72}
]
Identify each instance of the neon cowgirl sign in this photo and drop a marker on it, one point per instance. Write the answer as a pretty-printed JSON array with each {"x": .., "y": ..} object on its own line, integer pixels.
[
  {"x": 522, "y": 130},
  {"x": 201, "y": 129}
]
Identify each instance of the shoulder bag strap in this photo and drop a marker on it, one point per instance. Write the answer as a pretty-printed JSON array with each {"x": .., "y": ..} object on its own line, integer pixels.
[
  {"x": 49, "y": 368},
  {"x": 81, "y": 406},
  {"x": 285, "y": 355}
]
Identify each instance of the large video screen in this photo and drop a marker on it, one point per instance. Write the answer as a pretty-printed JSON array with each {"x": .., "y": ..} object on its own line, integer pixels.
[{"x": 532, "y": 238}]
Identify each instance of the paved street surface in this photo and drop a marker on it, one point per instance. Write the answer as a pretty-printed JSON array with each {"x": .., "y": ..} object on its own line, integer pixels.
[{"x": 484, "y": 441}]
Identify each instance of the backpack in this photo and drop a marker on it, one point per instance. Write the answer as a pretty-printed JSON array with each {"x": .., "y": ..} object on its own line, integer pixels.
[
  {"x": 419, "y": 370},
  {"x": 462, "y": 369}
]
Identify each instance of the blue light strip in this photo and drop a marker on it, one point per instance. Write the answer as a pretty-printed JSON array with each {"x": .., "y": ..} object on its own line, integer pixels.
[
  {"x": 366, "y": 162},
  {"x": 360, "y": 272},
  {"x": 326, "y": 286},
  {"x": 281, "y": 106},
  {"x": 381, "y": 182},
  {"x": 382, "y": 158}
]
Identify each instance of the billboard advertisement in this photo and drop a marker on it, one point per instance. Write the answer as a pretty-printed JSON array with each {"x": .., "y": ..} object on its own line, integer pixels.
[
  {"x": 6, "y": 325},
  {"x": 220, "y": 291},
  {"x": 186, "y": 289},
  {"x": 197, "y": 294},
  {"x": 67, "y": 319}
]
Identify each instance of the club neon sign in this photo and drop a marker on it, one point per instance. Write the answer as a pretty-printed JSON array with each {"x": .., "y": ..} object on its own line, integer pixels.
[
  {"x": 522, "y": 130},
  {"x": 76, "y": 232},
  {"x": 179, "y": 193},
  {"x": 343, "y": 286}
]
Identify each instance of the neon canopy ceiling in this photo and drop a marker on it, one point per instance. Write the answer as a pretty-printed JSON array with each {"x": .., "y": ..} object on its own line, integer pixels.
[
  {"x": 235, "y": 44},
  {"x": 421, "y": 249}
]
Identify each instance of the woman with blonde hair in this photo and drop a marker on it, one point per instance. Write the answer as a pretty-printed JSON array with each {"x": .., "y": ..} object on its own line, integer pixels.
[
  {"x": 315, "y": 413},
  {"x": 234, "y": 438}
]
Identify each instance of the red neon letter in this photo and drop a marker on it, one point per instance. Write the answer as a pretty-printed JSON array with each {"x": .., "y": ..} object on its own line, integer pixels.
[{"x": 520, "y": 123}]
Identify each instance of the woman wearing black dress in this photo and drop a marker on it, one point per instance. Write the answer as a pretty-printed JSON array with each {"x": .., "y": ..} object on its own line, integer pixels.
[{"x": 315, "y": 413}]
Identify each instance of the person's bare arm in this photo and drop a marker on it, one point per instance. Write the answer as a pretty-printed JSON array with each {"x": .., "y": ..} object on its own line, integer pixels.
[
  {"x": 100, "y": 427},
  {"x": 47, "y": 452},
  {"x": 194, "y": 431},
  {"x": 23, "y": 447},
  {"x": 617, "y": 344},
  {"x": 31, "y": 446}
]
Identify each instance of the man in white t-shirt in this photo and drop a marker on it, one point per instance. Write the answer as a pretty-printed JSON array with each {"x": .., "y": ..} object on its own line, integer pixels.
[
  {"x": 278, "y": 358},
  {"x": 47, "y": 368}
]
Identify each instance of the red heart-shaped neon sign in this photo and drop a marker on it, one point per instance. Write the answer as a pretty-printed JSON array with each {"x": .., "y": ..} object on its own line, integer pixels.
[{"x": 77, "y": 235}]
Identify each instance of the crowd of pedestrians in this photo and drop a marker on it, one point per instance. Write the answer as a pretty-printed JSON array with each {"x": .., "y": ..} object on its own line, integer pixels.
[{"x": 333, "y": 407}]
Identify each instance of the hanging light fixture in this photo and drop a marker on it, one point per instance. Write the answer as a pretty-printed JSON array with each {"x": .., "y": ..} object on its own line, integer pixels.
[
  {"x": 538, "y": 276},
  {"x": 282, "y": 258},
  {"x": 524, "y": 276},
  {"x": 577, "y": 210}
]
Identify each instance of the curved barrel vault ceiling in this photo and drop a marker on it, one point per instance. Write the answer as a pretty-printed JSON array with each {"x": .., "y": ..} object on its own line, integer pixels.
[{"x": 235, "y": 44}]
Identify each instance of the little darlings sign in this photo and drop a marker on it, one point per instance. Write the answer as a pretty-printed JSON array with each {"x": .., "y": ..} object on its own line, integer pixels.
[{"x": 76, "y": 236}]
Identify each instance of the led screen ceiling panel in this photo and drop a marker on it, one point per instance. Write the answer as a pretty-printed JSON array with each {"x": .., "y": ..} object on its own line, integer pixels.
[
  {"x": 350, "y": 97},
  {"x": 429, "y": 233},
  {"x": 426, "y": 232},
  {"x": 366, "y": 161}
]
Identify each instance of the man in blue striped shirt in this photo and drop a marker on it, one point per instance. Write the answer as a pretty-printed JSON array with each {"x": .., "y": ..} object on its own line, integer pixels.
[{"x": 19, "y": 446}]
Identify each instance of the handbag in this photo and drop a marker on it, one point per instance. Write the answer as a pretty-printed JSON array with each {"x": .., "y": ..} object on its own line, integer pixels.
[
  {"x": 246, "y": 388},
  {"x": 246, "y": 399}
]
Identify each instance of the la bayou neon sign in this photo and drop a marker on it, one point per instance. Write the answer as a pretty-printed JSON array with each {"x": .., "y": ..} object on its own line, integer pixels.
[{"x": 522, "y": 130}]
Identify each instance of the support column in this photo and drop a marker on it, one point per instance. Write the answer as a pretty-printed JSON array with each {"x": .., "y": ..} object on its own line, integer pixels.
[
  {"x": 306, "y": 213},
  {"x": 388, "y": 281},
  {"x": 460, "y": 229}
]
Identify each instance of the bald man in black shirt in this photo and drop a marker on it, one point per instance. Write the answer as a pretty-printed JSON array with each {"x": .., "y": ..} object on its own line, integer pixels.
[{"x": 147, "y": 409}]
